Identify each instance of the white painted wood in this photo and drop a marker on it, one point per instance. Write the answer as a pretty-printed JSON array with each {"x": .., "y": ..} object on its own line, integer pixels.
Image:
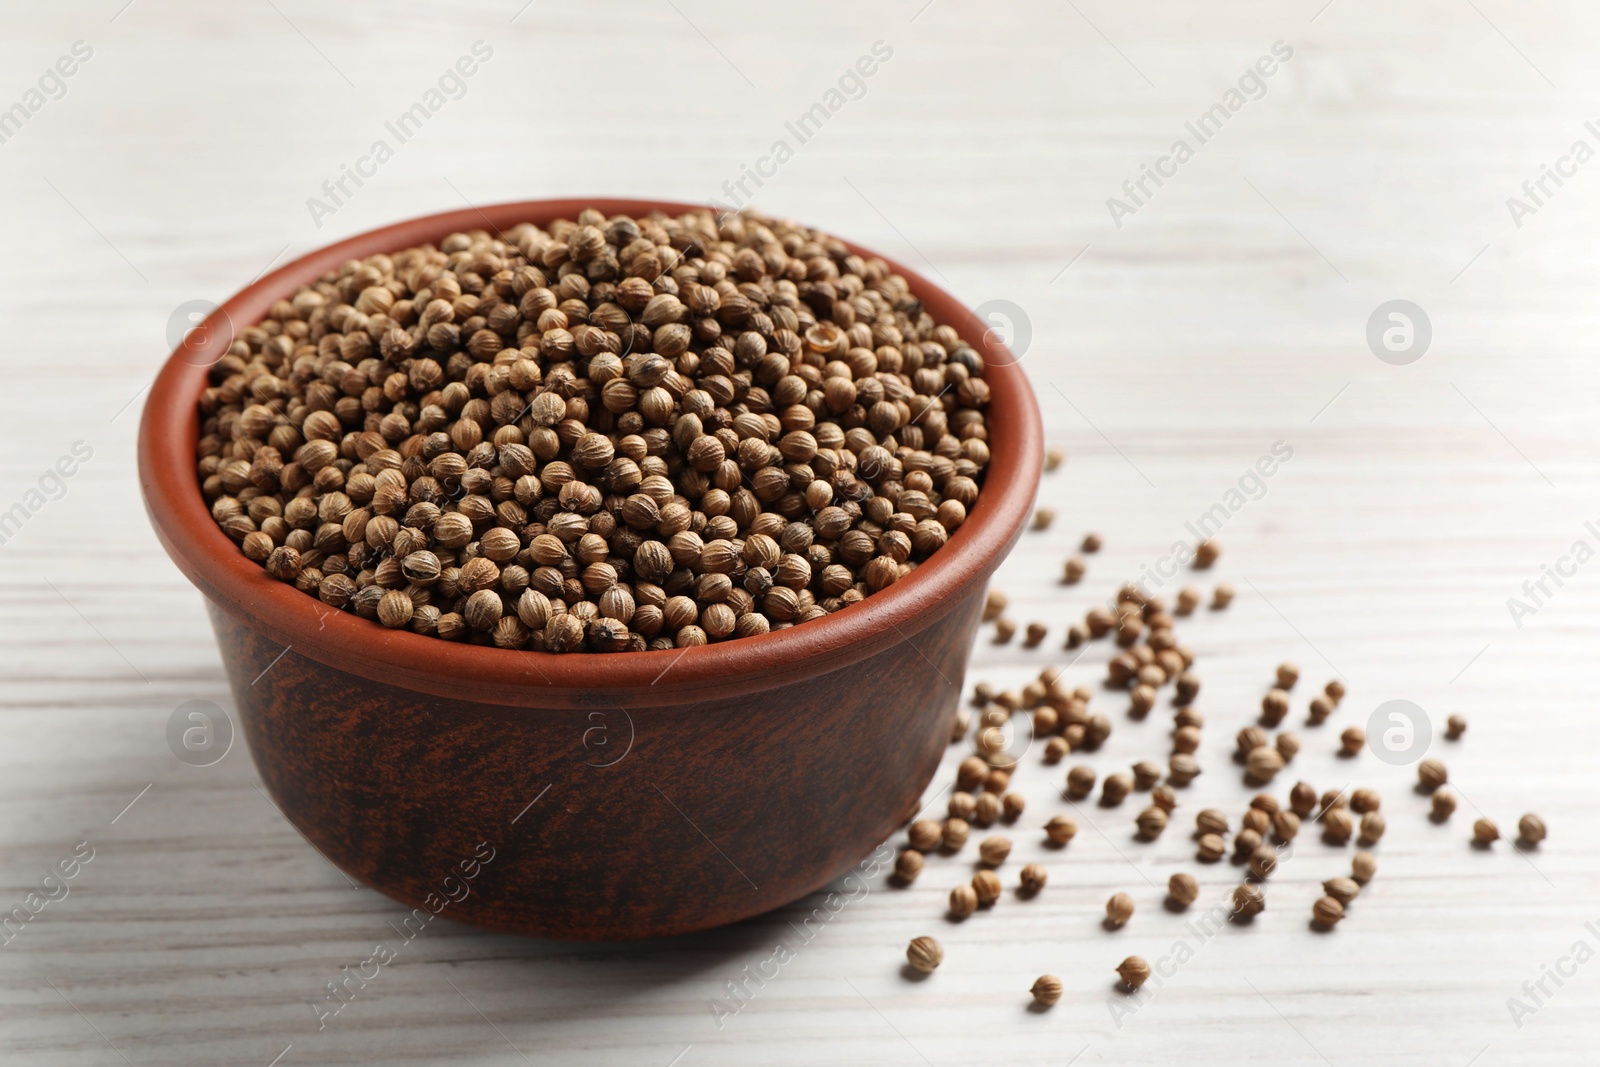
[{"x": 1226, "y": 314}]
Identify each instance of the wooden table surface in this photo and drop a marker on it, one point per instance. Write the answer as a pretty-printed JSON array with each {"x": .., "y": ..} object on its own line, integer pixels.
[{"x": 1226, "y": 313}]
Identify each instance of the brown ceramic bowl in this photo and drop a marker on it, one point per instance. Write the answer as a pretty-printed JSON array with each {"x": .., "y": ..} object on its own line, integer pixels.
[{"x": 619, "y": 796}]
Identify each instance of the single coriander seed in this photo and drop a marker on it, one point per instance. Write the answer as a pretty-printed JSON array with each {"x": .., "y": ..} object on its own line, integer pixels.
[
  {"x": 1033, "y": 878},
  {"x": 924, "y": 834},
  {"x": 1372, "y": 827},
  {"x": 924, "y": 954},
  {"x": 1364, "y": 800},
  {"x": 1221, "y": 596},
  {"x": 993, "y": 604},
  {"x": 1288, "y": 674},
  {"x": 1133, "y": 971},
  {"x": 1060, "y": 829},
  {"x": 954, "y": 834},
  {"x": 908, "y": 865},
  {"x": 1046, "y": 989},
  {"x": 1080, "y": 782},
  {"x": 1035, "y": 634},
  {"x": 1444, "y": 805},
  {"x": 1151, "y": 821},
  {"x": 960, "y": 805},
  {"x": 1431, "y": 774},
  {"x": 1091, "y": 542},
  {"x": 1073, "y": 570},
  {"x": 963, "y": 901},
  {"x": 1004, "y": 630},
  {"x": 1530, "y": 830},
  {"x": 1119, "y": 909},
  {"x": 986, "y": 884},
  {"x": 1053, "y": 458},
  {"x": 1183, "y": 889},
  {"x": 1115, "y": 789},
  {"x": 1363, "y": 866},
  {"x": 994, "y": 850},
  {"x": 1263, "y": 861},
  {"x": 1337, "y": 826},
  {"x": 1455, "y": 726},
  {"x": 1206, "y": 553},
  {"x": 1352, "y": 741},
  {"x": 1042, "y": 518},
  {"x": 1343, "y": 890},
  {"x": 1211, "y": 848},
  {"x": 1485, "y": 832},
  {"x": 1302, "y": 799},
  {"x": 1326, "y": 912},
  {"x": 1248, "y": 901}
]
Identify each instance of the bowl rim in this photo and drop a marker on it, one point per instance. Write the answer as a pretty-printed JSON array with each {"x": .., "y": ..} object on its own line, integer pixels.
[{"x": 169, "y": 427}]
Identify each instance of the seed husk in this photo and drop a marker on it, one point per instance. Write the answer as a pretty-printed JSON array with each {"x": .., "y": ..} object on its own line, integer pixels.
[
  {"x": 1133, "y": 971},
  {"x": 924, "y": 954},
  {"x": 1046, "y": 989}
]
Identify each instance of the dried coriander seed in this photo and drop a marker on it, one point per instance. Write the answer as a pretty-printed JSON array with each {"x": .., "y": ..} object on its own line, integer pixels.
[
  {"x": 1119, "y": 909},
  {"x": 1033, "y": 878},
  {"x": 996, "y": 781},
  {"x": 908, "y": 865},
  {"x": 1333, "y": 798},
  {"x": 1056, "y": 749},
  {"x": 1004, "y": 630},
  {"x": 1188, "y": 600},
  {"x": 1431, "y": 774},
  {"x": 994, "y": 850},
  {"x": 1183, "y": 889},
  {"x": 1133, "y": 971},
  {"x": 1363, "y": 866},
  {"x": 1211, "y": 821},
  {"x": 960, "y": 724},
  {"x": 986, "y": 884},
  {"x": 1073, "y": 570},
  {"x": 1274, "y": 706},
  {"x": 1115, "y": 789},
  {"x": 994, "y": 603},
  {"x": 1263, "y": 764},
  {"x": 1046, "y": 990},
  {"x": 1151, "y": 821},
  {"x": 1444, "y": 805},
  {"x": 1364, "y": 800},
  {"x": 1285, "y": 825},
  {"x": 1182, "y": 769},
  {"x": 1080, "y": 782},
  {"x": 985, "y": 810},
  {"x": 924, "y": 954},
  {"x": 1337, "y": 826},
  {"x": 1221, "y": 596},
  {"x": 1042, "y": 518},
  {"x": 1302, "y": 799},
  {"x": 1206, "y": 553},
  {"x": 1372, "y": 828},
  {"x": 1263, "y": 861},
  {"x": 1352, "y": 741},
  {"x": 1210, "y": 848},
  {"x": 963, "y": 901},
  {"x": 1334, "y": 690},
  {"x": 1012, "y": 805},
  {"x": 1344, "y": 890},
  {"x": 1164, "y": 798},
  {"x": 1319, "y": 710},
  {"x": 1288, "y": 745},
  {"x": 1060, "y": 829},
  {"x": 1053, "y": 458},
  {"x": 1035, "y": 634},
  {"x": 954, "y": 834},
  {"x": 1326, "y": 912},
  {"x": 1485, "y": 832},
  {"x": 1248, "y": 902},
  {"x": 971, "y": 773},
  {"x": 924, "y": 834},
  {"x": 1455, "y": 726},
  {"x": 1256, "y": 820},
  {"x": 1146, "y": 774},
  {"x": 1530, "y": 830},
  {"x": 1091, "y": 542},
  {"x": 1288, "y": 674},
  {"x": 960, "y": 805}
]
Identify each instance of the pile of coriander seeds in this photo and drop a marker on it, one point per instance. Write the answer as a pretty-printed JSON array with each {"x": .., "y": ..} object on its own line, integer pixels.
[{"x": 608, "y": 434}]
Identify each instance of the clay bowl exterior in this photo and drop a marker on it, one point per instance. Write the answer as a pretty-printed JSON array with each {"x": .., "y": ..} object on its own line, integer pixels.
[{"x": 587, "y": 796}]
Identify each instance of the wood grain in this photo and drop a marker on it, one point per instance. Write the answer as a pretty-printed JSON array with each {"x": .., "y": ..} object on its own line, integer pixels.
[{"x": 1227, "y": 314}]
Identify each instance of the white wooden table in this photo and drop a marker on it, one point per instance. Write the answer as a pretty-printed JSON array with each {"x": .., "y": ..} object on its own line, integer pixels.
[{"x": 1228, "y": 312}]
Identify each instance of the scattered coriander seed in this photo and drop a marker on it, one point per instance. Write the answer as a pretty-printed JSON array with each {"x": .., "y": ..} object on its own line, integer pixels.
[
  {"x": 986, "y": 884},
  {"x": 1454, "y": 727},
  {"x": 960, "y": 725},
  {"x": 1080, "y": 782},
  {"x": 1285, "y": 825},
  {"x": 1530, "y": 830},
  {"x": 1035, "y": 634},
  {"x": 1363, "y": 866},
  {"x": 1302, "y": 799},
  {"x": 955, "y": 834},
  {"x": 1211, "y": 821},
  {"x": 1263, "y": 861},
  {"x": 1288, "y": 745},
  {"x": 1326, "y": 912},
  {"x": 1274, "y": 706},
  {"x": 1046, "y": 990},
  {"x": 1319, "y": 710},
  {"x": 1164, "y": 798},
  {"x": 970, "y": 774},
  {"x": 924, "y": 834},
  {"x": 1053, "y": 458},
  {"x": 1334, "y": 690},
  {"x": 1364, "y": 800},
  {"x": 1263, "y": 764},
  {"x": 1012, "y": 806},
  {"x": 1431, "y": 774},
  {"x": 924, "y": 954},
  {"x": 1073, "y": 570},
  {"x": 1337, "y": 826},
  {"x": 1115, "y": 789},
  {"x": 1076, "y": 636},
  {"x": 1042, "y": 518},
  {"x": 1183, "y": 889},
  {"x": 1146, "y": 774},
  {"x": 908, "y": 865},
  {"x": 982, "y": 693},
  {"x": 1056, "y": 749},
  {"x": 1343, "y": 890},
  {"x": 1185, "y": 688},
  {"x": 1245, "y": 842},
  {"x": 994, "y": 603},
  {"x": 1333, "y": 798},
  {"x": 1248, "y": 740},
  {"x": 963, "y": 901},
  {"x": 960, "y": 805},
  {"x": 1142, "y": 699},
  {"x": 1033, "y": 878},
  {"x": 1288, "y": 674},
  {"x": 996, "y": 781},
  {"x": 1182, "y": 769},
  {"x": 994, "y": 850},
  {"x": 1372, "y": 827},
  {"x": 1091, "y": 542},
  {"x": 1352, "y": 741},
  {"x": 1188, "y": 717},
  {"x": 1444, "y": 805},
  {"x": 1151, "y": 822},
  {"x": 1256, "y": 821},
  {"x": 1119, "y": 909},
  {"x": 1186, "y": 739},
  {"x": 1133, "y": 971},
  {"x": 1060, "y": 829},
  {"x": 1206, "y": 553},
  {"x": 1248, "y": 901},
  {"x": 1004, "y": 630},
  {"x": 1188, "y": 600},
  {"x": 1210, "y": 848},
  {"x": 985, "y": 810}
]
